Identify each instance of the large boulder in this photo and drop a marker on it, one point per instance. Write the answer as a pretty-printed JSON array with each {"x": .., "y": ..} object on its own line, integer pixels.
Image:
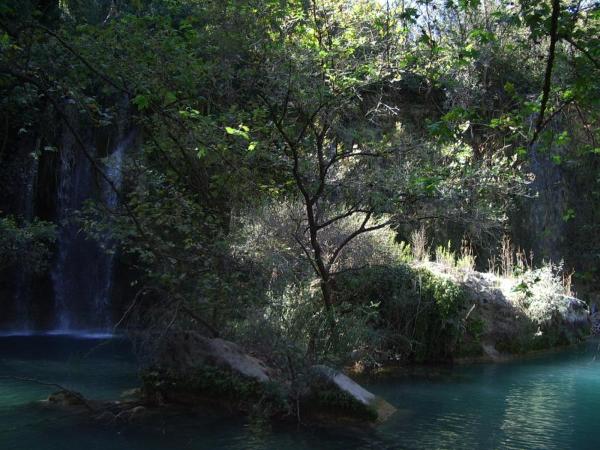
[
  {"x": 575, "y": 312},
  {"x": 192, "y": 369},
  {"x": 334, "y": 394},
  {"x": 539, "y": 323},
  {"x": 186, "y": 351}
]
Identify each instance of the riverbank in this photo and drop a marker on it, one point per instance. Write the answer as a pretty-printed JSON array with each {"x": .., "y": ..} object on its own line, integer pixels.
[{"x": 435, "y": 370}]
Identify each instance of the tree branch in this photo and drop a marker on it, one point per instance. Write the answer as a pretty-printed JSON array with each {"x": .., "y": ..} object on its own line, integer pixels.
[
  {"x": 549, "y": 66},
  {"x": 587, "y": 54},
  {"x": 362, "y": 229},
  {"x": 45, "y": 383}
]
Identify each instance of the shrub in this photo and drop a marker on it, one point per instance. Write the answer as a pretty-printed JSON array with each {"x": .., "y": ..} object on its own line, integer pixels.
[
  {"x": 418, "y": 313},
  {"x": 26, "y": 243}
]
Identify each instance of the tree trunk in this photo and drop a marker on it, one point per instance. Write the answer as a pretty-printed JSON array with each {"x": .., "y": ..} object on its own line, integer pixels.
[{"x": 328, "y": 300}]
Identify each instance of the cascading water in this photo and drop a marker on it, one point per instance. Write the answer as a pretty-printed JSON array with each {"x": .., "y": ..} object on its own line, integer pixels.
[
  {"x": 83, "y": 272},
  {"x": 65, "y": 195},
  {"x": 22, "y": 293},
  {"x": 114, "y": 172}
]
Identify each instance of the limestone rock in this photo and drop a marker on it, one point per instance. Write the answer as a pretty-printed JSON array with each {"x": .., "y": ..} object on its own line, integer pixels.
[
  {"x": 184, "y": 351},
  {"x": 66, "y": 398},
  {"x": 131, "y": 394},
  {"x": 346, "y": 397},
  {"x": 106, "y": 417},
  {"x": 132, "y": 414},
  {"x": 576, "y": 311},
  {"x": 516, "y": 314}
]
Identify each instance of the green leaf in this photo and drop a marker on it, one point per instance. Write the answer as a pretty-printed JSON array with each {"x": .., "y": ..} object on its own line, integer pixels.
[
  {"x": 563, "y": 138},
  {"x": 410, "y": 15},
  {"x": 201, "y": 152},
  {"x": 468, "y": 4},
  {"x": 509, "y": 88},
  {"x": 521, "y": 152},
  {"x": 569, "y": 215},
  {"x": 482, "y": 36},
  {"x": 568, "y": 95},
  {"x": 141, "y": 101},
  {"x": 4, "y": 39},
  {"x": 243, "y": 132},
  {"x": 170, "y": 97}
]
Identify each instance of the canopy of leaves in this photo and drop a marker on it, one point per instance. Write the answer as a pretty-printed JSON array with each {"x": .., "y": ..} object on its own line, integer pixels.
[{"x": 362, "y": 114}]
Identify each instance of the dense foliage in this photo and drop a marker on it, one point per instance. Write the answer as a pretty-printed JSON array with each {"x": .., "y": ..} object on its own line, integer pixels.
[
  {"x": 275, "y": 138},
  {"x": 27, "y": 245}
]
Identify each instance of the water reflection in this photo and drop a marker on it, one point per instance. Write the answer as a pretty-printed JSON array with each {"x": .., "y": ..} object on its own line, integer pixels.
[
  {"x": 539, "y": 411},
  {"x": 546, "y": 402}
]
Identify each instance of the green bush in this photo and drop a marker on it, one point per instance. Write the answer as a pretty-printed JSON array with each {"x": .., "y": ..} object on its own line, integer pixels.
[
  {"x": 28, "y": 244},
  {"x": 419, "y": 313},
  {"x": 212, "y": 384}
]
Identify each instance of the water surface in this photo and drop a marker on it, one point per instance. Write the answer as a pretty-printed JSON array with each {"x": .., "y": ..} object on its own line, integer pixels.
[{"x": 546, "y": 402}]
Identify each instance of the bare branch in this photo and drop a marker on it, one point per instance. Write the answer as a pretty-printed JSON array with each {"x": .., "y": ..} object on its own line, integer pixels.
[
  {"x": 307, "y": 253},
  {"x": 353, "y": 210},
  {"x": 55, "y": 385},
  {"x": 362, "y": 229}
]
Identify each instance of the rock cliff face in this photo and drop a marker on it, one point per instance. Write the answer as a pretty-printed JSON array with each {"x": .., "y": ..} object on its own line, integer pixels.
[
  {"x": 560, "y": 221},
  {"x": 595, "y": 320}
]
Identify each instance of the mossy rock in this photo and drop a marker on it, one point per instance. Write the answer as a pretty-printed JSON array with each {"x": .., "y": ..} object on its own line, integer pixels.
[
  {"x": 214, "y": 386},
  {"x": 66, "y": 398},
  {"x": 334, "y": 395}
]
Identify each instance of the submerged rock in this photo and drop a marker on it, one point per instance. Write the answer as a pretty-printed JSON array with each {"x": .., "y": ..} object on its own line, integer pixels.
[
  {"x": 65, "y": 398},
  {"x": 190, "y": 370},
  {"x": 108, "y": 412},
  {"x": 106, "y": 417},
  {"x": 132, "y": 414}
]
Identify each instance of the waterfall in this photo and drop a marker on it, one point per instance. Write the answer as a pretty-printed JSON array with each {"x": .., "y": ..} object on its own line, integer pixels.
[
  {"x": 64, "y": 202},
  {"x": 22, "y": 295},
  {"x": 114, "y": 172},
  {"x": 82, "y": 275}
]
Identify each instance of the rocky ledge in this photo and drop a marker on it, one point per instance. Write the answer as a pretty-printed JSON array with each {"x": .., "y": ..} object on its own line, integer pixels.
[{"x": 505, "y": 317}]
